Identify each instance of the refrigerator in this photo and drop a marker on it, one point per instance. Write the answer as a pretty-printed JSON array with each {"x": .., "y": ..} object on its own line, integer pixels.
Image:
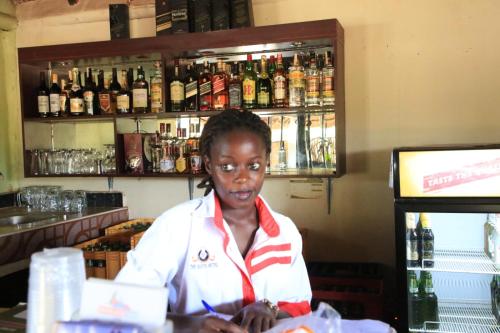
[{"x": 448, "y": 199}]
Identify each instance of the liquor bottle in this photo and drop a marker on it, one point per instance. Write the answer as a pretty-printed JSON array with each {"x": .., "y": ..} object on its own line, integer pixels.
[
  {"x": 123, "y": 97},
  {"x": 181, "y": 163},
  {"x": 415, "y": 303},
  {"x": 327, "y": 84},
  {"x": 177, "y": 96},
  {"x": 114, "y": 90},
  {"x": 312, "y": 97},
  {"x": 167, "y": 161},
  {"x": 235, "y": 96},
  {"x": 296, "y": 83},
  {"x": 429, "y": 307},
  {"x": 64, "y": 99},
  {"x": 191, "y": 89},
  {"x": 249, "y": 85},
  {"x": 140, "y": 90},
  {"x": 88, "y": 95},
  {"x": 43, "y": 97},
  {"x": 195, "y": 160},
  {"x": 220, "y": 94},
  {"x": 272, "y": 67},
  {"x": 264, "y": 87},
  {"x": 426, "y": 241},
  {"x": 76, "y": 95},
  {"x": 157, "y": 89},
  {"x": 282, "y": 161},
  {"x": 489, "y": 227},
  {"x": 411, "y": 241},
  {"x": 280, "y": 89},
  {"x": 54, "y": 95},
  {"x": 130, "y": 84},
  {"x": 103, "y": 94},
  {"x": 205, "y": 84}
]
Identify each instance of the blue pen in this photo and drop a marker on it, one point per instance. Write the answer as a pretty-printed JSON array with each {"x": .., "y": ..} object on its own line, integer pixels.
[{"x": 210, "y": 309}]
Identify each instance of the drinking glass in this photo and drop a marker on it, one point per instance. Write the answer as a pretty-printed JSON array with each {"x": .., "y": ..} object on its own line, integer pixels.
[
  {"x": 79, "y": 202},
  {"x": 52, "y": 199},
  {"x": 66, "y": 200}
]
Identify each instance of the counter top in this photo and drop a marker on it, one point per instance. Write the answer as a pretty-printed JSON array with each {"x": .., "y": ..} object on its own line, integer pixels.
[{"x": 14, "y": 220}]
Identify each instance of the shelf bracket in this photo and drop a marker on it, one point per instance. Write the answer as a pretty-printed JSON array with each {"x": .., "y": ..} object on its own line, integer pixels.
[
  {"x": 329, "y": 194},
  {"x": 191, "y": 187}
]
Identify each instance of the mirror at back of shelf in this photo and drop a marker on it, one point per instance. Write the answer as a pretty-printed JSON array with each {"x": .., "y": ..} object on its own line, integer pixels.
[{"x": 161, "y": 101}]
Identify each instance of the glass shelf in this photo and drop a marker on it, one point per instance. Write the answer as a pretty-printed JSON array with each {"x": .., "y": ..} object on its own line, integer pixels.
[
  {"x": 463, "y": 317},
  {"x": 461, "y": 261}
]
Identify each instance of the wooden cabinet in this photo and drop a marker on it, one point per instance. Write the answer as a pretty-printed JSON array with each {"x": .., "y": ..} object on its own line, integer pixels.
[{"x": 321, "y": 130}]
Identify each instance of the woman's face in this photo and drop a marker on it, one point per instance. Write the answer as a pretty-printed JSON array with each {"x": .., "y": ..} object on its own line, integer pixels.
[{"x": 237, "y": 164}]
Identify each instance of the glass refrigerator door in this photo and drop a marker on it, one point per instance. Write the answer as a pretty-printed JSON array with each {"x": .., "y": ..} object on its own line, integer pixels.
[{"x": 452, "y": 268}]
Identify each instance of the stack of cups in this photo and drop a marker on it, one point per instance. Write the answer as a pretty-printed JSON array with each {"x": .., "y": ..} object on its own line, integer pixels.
[{"x": 55, "y": 287}]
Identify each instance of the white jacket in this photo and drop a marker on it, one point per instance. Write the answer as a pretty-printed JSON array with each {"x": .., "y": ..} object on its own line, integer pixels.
[{"x": 191, "y": 250}]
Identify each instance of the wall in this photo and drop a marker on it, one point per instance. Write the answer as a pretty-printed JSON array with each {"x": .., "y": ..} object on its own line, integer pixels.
[
  {"x": 10, "y": 135},
  {"x": 417, "y": 73}
]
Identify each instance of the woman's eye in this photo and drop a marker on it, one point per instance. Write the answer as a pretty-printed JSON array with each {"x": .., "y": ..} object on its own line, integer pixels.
[
  {"x": 227, "y": 167},
  {"x": 254, "y": 166}
]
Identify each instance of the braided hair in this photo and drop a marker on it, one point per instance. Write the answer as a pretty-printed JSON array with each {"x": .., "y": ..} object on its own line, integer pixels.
[{"x": 225, "y": 122}]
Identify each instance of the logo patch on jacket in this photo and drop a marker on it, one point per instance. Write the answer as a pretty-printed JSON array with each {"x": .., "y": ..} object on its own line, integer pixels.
[{"x": 203, "y": 259}]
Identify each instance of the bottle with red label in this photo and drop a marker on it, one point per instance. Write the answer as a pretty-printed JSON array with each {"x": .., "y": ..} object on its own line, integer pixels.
[
  {"x": 279, "y": 84},
  {"x": 249, "y": 85},
  {"x": 205, "y": 88},
  {"x": 220, "y": 92}
]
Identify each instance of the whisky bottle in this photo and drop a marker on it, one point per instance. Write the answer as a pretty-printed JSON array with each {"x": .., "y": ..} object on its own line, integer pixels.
[
  {"x": 43, "y": 97},
  {"x": 177, "y": 96},
  {"x": 156, "y": 89},
  {"x": 249, "y": 85},
  {"x": 140, "y": 92},
  {"x": 76, "y": 95},
  {"x": 88, "y": 95},
  {"x": 195, "y": 158},
  {"x": 191, "y": 89},
  {"x": 54, "y": 93},
  {"x": 327, "y": 86},
  {"x": 167, "y": 161},
  {"x": 296, "y": 83},
  {"x": 235, "y": 96},
  {"x": 205, "y": 84},
  {"x": 114, "y": 90},
  {"x": 103, "y": 94},
  {"x": 264, "y": 88},
  {"x": 312, "y": 97},
  {"x": 123, "y": 97},
  {"x": 220, "y": 95},
  {"x": 272, "y": 67},
  {"x": 64, "y": 99},
  {"x": 280, "y": 89}
]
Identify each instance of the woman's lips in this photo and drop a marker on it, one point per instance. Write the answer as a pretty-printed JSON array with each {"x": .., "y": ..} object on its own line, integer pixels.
[{"x": 241, "y": 195}]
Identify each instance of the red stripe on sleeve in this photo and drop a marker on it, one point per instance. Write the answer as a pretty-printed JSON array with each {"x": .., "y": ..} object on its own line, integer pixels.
[
  {"x": 268, "y": 262},
  {"x": 295, "y": 309}
]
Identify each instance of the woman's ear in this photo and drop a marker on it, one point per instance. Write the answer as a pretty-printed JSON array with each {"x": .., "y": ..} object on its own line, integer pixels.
[{"x": 208, "y": 167}]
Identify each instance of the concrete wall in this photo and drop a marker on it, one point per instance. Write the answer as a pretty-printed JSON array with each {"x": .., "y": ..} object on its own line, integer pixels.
[{"x": 417, "y": 73}]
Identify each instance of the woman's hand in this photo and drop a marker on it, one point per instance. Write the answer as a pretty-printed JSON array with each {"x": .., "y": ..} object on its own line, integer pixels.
[
  {"x": 213, "y": 324},
  {"x": 256, "y": 317}
]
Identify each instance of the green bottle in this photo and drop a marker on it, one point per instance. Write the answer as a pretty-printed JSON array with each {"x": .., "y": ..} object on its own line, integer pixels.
[
  {"x": 429, "y": 301},
  {"x": 415, "y": 315},
  {"x": 249, "y": 85},
  {"x": 426, "y": 242}
]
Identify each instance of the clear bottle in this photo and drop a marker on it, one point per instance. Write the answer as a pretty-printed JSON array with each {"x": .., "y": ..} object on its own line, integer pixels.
[
  {"x": 103, "y": 94},
  {"x": 264, "y": 86},
  {"x": 54, "y": 96},
  {"x": 76, "y": 95},
  {"x": 64, "y": 99},
  {"x": 249, "y": 85},
  {"x": 191, "y": 89},
  {"x": 205, "y": 85},
  {"x": 177, "y": 97},
  {"x": 296, "y": 83},
  {"x": 327, "y": 84},
  {"x": 140, "y": 92},
  {"x": 280, "y": 87},
  {"x": 282, "y": 160},
  {"x": 123, "y": 97},
  {"x": 411, "y": 241},
  {"x": 43, "y": 97},
  {"x": 220, "y": 94},
  {"x": 156, "y": 89},
  {"x": 426, "y": 241},
  {"x": 167, "y": 161},
  {"x": 235, "y": 95},
  {"x": 114, "y": 90},
  {"x": 312, "y": 84}
]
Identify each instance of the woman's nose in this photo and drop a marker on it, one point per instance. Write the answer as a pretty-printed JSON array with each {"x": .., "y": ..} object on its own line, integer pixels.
[{"x": 241, "y": 176}]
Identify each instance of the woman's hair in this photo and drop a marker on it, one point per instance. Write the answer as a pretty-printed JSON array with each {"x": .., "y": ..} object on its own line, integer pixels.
[{"x": 225, "y": 122}]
